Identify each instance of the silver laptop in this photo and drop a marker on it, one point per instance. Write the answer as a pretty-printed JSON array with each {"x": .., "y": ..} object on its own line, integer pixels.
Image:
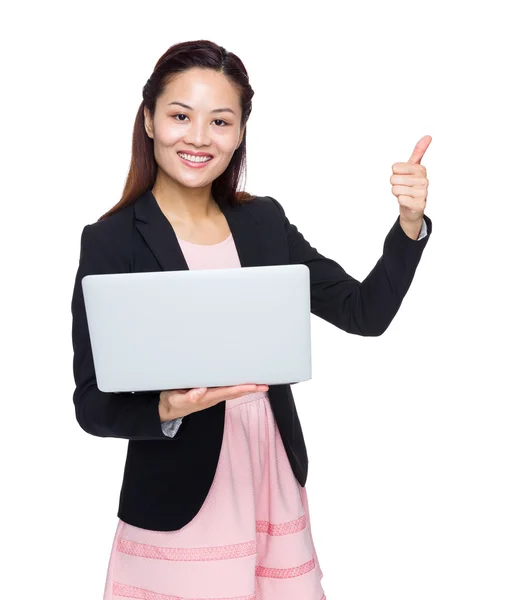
[{"x": 194, "y": 328}]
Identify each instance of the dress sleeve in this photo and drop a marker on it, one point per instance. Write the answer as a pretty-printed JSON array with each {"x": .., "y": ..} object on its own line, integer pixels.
[
  {"x": 170, "y": 428},
  {"x": 424, "y": 231}
]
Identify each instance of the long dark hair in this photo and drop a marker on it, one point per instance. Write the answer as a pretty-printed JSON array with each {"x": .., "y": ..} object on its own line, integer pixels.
[{"x": 177, "y": 59}]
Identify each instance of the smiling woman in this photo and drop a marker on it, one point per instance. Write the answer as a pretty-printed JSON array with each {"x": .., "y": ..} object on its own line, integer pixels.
[
  {"x": 213, "y": 503},
  {"x": 197, "y": 102}
]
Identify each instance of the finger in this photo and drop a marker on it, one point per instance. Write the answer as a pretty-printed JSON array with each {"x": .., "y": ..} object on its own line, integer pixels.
[
  {"x": 240, "y": 390},
  {"x": 401, "y": 168},
  {"x": 247, "y": 388},
  {"x": 408, "y": 180},
  {"x": 230, "y": 388},
  {"x": 220, "y": 393},
  {"x": 414, "y": 192},
  {"x": 420, "y": 149},
  {"x": 197, "y": 393}
]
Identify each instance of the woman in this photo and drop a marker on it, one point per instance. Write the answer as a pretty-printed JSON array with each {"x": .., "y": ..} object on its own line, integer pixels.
[{"x": 213, "y": 502}]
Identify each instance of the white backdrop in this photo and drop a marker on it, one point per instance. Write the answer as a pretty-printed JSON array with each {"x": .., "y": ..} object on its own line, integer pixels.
[{"x": 410, "y": 435}]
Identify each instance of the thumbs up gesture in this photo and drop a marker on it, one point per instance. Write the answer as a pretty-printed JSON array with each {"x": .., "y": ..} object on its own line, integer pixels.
[{"x": 410, "y": 186}]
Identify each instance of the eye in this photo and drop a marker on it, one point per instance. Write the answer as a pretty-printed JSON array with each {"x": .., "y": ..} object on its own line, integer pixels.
[{"x": 183, "y": 115}]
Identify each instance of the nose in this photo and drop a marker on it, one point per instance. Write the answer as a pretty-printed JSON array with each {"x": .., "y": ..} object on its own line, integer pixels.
[{"x": 197, "y": 134}]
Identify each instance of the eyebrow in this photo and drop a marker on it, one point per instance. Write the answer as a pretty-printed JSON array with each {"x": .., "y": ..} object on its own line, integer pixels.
[{"x": 216, "y": 110}]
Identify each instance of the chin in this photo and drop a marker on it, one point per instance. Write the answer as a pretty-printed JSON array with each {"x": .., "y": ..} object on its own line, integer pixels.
[{"x": 194, "y": 184}]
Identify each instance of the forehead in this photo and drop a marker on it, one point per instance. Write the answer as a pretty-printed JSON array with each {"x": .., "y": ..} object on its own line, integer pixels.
[{"x": 202, "y": 87}]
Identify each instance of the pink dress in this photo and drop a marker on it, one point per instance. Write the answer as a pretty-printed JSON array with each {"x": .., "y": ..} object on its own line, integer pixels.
[{"x": 251, "y": 540}]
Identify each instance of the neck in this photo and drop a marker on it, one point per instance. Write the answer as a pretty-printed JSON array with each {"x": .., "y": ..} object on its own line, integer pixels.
[{"x": 182, "y": 203}]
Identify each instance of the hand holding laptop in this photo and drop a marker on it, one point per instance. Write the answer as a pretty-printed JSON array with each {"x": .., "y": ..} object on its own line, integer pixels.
[{"x": 179, "y": 403}]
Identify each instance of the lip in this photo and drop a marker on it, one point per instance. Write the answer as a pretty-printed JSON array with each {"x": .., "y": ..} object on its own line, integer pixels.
[
  {"x": 195, "y": 153},
  {"x": 196, "y": 165}
]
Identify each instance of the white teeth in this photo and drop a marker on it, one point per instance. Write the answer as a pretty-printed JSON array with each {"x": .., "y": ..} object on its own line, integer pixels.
[{"x": 194, "y": 158}]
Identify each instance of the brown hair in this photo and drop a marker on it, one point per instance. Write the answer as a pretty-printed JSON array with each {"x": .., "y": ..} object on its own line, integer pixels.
[{"x": 177, "y": 59}]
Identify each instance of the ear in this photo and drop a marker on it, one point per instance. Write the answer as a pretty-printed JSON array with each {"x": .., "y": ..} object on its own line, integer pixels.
[{"x": 148, "y": 122}]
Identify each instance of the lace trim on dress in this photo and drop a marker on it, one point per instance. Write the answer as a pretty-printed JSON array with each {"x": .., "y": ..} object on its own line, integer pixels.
[
  {"x": 281, "y": 528},
  {"x": 285, "y": 573},
  {"x": 205, "y": 553},
  {"x": 129, "y": 591},
  {"x": 211, "y": 552}
]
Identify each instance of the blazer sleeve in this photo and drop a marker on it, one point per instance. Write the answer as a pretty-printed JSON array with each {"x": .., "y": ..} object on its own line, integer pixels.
[
  {"x": 363, "y": 308},
  {"x": 132, "y": 416}
]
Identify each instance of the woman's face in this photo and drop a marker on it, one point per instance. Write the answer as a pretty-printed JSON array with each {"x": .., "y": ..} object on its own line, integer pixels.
[{"x": 198, "y": 112}]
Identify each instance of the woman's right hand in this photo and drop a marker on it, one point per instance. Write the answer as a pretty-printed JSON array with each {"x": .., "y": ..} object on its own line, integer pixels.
[{"x": 179, "y": 403}]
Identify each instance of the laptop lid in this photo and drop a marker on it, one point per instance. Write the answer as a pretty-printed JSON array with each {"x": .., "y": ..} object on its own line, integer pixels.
[{"x": 194, "y": 328}]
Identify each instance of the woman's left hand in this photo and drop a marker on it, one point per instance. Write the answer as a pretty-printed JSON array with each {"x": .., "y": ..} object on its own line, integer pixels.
[{"x": 410, "y": 186}]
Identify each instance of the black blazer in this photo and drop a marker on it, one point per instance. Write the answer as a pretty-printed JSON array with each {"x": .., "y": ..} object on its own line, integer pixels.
[{"x": 166, "y": 480}]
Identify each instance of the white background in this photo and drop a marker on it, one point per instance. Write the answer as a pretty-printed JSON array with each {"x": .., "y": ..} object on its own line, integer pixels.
[{"x": 410, "y": 435}]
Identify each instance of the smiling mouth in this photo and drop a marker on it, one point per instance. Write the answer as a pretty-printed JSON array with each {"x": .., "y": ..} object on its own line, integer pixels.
[{"x": 194, "y": 159}]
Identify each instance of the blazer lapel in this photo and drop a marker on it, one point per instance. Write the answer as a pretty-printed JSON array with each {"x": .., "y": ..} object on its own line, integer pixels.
[{"x": 162, "y": 239}]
